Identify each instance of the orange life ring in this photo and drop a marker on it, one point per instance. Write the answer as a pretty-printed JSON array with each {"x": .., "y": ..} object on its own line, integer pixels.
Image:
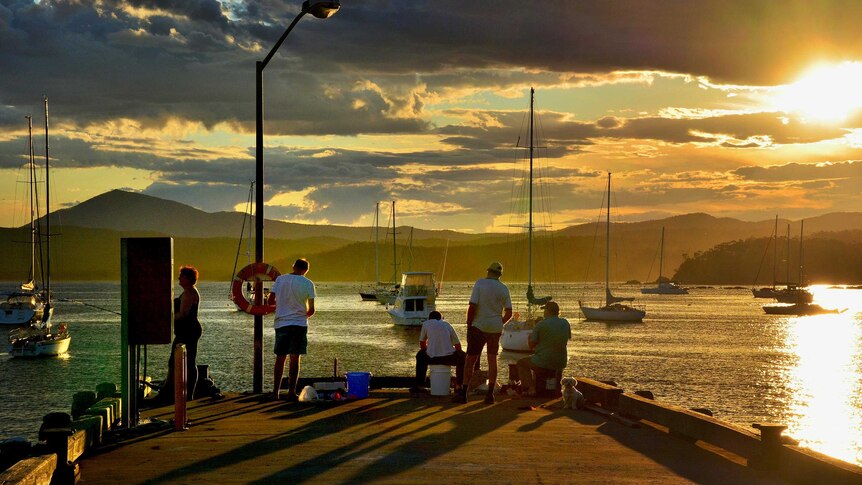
[{"x": 251, "y": 273}]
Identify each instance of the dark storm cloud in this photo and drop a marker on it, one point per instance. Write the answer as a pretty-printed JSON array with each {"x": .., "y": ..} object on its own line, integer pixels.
[{"x": 117, "y": 63}]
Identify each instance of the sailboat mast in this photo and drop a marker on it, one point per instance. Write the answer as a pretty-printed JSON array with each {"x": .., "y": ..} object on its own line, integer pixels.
[
  {"x": 377, "y": 243},
  {"x": 801, "y": 227},
  {"x": 47, "y": 214},
  {"x": 774, "y": 250},
  {"x": 787, "y": 276},
  {"x": 661, "y": 255},
  {"x": 530, "y": 204},
  {"x": 32, "y": 172},
  {"x": 394, "y": 249},
  {"x": 608, "y": 244}
]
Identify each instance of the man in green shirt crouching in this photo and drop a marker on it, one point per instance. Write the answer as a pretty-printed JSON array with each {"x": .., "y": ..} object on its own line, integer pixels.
[{"x": 548, "y": 341}]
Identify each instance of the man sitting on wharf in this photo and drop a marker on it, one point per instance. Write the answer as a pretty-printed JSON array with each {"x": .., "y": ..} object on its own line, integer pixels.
[
  {"x": 548, "y": 340},
  {"x": 438, "y": 345}
]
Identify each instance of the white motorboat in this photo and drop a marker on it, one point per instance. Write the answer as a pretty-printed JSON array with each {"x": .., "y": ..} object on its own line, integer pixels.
[
  {"x": 613, "y": 310},
  {"x": 664, "y": 286},
  {"x": 21, "y": 307},
  {"x": 416, "y": 299}
]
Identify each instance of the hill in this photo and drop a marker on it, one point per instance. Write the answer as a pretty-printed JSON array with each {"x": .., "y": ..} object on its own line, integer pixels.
[
  {"x": 123, "y": 211},
  {"x": 828, "y": 258},
  {"x": 87, "y": 242}
]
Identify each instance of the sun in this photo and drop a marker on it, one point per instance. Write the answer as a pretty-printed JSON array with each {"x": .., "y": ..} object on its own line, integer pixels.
[{"x": 825, "y": 93}]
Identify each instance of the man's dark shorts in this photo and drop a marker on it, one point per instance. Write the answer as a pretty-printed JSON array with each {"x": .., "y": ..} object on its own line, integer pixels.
[
  {"x": 477, "y": 339},
  {"x": 292, "y": 339}
]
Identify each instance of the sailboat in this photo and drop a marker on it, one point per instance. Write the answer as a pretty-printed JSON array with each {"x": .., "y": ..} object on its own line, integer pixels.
[
  {"x": 793, "y": 293},
  {"x": 25, "y": 304},
  {"x": 379, "y": 288},
  {"x": 800, "y": 299},
  {"x": 40, "y": 338},
  {"x": 664, "y": 287},
  {"x": 770, "y": 291},
  {"x": 614, "y": 310},
  {"x": 516, "y": 332},
  {"x": 386, "y": 293}
]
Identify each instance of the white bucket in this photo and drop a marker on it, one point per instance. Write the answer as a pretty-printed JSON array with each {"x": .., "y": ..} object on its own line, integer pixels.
[{"x": 441, "y": 376}]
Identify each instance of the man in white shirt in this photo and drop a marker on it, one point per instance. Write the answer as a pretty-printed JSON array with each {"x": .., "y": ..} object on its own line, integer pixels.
[
  {"x": 490, "y": 307},
  {"x": 293, "y": 295},
  {"x": 438, "y": 345}
]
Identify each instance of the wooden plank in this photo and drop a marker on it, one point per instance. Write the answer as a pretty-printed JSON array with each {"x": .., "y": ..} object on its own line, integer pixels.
[{"x": 36, "y": 470}]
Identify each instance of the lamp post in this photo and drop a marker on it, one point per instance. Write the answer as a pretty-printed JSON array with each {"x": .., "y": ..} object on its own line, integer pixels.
[{"x": 321, "y": 10}]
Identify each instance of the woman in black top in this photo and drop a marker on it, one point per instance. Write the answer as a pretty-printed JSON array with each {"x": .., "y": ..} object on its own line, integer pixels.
[{"x": 187, "y": 330}]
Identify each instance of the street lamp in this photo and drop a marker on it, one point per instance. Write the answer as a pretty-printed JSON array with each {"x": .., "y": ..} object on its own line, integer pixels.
[{"x": 321, "y": 10}]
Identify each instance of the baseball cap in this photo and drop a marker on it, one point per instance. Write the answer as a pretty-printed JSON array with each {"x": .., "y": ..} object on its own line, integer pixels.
[
  {"x": 496, "y": 267},
  {"x": 552, "y": 306}
]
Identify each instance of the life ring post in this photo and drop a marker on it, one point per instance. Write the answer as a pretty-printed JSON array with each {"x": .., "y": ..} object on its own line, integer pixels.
[{"x": 253, "y": 273}]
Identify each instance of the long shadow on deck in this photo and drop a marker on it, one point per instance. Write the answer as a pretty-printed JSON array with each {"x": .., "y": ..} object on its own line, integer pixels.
[{"x": 392, "y": 434}]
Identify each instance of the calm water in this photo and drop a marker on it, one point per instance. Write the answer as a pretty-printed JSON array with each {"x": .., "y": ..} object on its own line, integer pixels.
[{"x": 714, "y": 348}]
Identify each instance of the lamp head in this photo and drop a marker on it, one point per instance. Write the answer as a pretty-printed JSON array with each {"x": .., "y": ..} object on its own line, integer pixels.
[{"x": 321, "y": 10}]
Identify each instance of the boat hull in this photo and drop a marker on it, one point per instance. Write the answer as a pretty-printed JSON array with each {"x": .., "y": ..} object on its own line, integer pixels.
[
  {"x": 613, "y": 313},
  {"x": 40, "y": 348},
  {"x": 14, "y": 317},
  {"x": 367, "y": 296},
  {"x": 796, "y": 295},
  {"x": 798, "y": 309},
  {"x": 408, "y": 319},
  {"x": 665, "y": 290},
  {"x": 764, "y": 292}
]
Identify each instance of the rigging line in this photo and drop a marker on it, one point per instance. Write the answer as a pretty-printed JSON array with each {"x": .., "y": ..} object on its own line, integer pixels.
[
  {"x": 765, "y": 252},
  {"x": 242, "y": 230},
  {"x": 545, "y": 196},
  {"x": 621, "y": 254},
  {"x": 597, "y": 226},
  {"x": 652, "y": 264},
  {"x": 67, "y": 300}
]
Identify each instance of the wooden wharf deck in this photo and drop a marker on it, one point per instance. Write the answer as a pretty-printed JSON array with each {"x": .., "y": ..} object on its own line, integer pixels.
[{"x": 391, "y": 437}]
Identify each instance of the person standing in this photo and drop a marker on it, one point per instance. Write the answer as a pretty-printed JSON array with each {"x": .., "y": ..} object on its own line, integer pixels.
[
  {"x": 490, "y": 307},
  {"x": 439, "y": 345},
  {"x": 548, "y": 341},
  {"x": 187, "y": 331},
  {"x": 293, "y": 295}
]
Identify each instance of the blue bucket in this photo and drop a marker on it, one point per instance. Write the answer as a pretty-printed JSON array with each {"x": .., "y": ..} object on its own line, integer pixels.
[{"x": 358, "y": 384}]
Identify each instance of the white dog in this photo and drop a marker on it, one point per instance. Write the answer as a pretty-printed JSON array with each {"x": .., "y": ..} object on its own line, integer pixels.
[{"x": 572, "y": 398}]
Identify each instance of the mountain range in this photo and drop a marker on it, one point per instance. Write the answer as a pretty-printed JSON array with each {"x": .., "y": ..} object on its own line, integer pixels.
[{"x": 87, "y": 239}]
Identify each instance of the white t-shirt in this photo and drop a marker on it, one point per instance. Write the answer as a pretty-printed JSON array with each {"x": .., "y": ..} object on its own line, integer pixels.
[
  {"x": 441, "y": 338},
  {"x": 291, "y": 294},
  {"x": 490, "y": 296}
]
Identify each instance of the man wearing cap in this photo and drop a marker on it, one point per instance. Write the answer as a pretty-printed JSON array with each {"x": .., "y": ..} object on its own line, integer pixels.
[
  {"x": 490, "y": 307},
  {"x": 293, "y": 295},
  {"x": 548, "y": 341}
]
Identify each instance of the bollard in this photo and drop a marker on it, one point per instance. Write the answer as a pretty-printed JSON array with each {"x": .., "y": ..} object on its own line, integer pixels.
[
  {"x": 180, "y": 378},
  {"x": 770, "y": 444}
]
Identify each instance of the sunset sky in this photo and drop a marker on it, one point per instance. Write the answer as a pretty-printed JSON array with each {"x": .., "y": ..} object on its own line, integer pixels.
[{"x": 743, "y": 109}]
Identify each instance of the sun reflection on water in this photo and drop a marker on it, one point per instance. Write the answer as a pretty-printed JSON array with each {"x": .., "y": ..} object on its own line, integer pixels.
[{"x": 825, "y": 378}]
